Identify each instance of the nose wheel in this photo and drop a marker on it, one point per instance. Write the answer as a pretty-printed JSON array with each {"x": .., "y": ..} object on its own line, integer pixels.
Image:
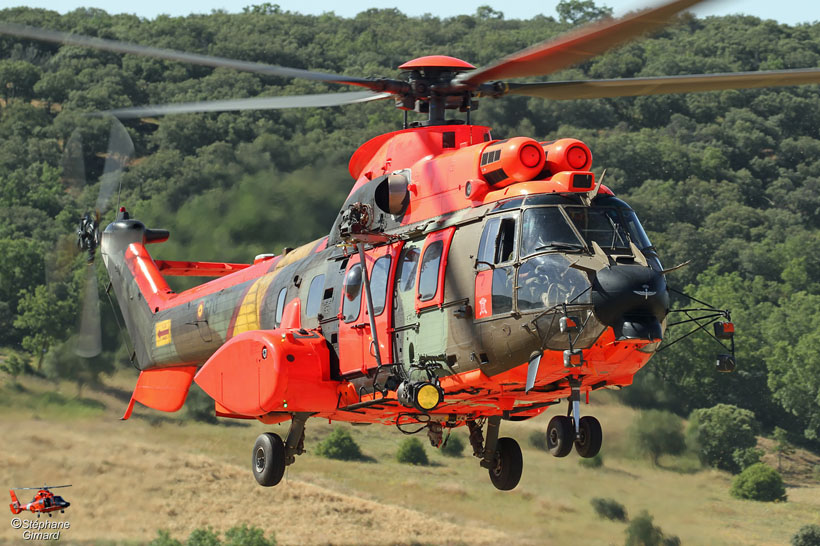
[{"x": 560, "y": 436}]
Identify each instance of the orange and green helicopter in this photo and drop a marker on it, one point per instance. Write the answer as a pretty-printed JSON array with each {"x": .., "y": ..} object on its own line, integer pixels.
[{"x": 466, "y": 280}]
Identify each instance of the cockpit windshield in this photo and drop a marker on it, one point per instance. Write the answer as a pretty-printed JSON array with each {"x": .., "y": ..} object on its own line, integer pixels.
[
  {"x": 546, "y": 228},
  {"x": 609, "y": 222},
  {"x": 601, "y": 225}
]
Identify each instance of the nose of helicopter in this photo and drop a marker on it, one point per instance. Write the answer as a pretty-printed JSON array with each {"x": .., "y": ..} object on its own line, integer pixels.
[{"x": 632, "y": 299}]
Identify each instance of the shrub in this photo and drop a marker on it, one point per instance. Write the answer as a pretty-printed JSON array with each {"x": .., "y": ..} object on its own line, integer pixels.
[
  {"x": 242, "y": 535},
  {"x": 657, "y": 432},
  {"x": 715, "y": 433},
  {"x": 746, "y": 457},
  {"x": 759, "y": 482},
  {"x": 339, "y": 445},
  {"x": 164, "y": 539},
  {"x": 454, "y": 446},
  {"x": 539, "y": 440},
  {"x": 203, "y": 537},
  {"x": 411, "y": 451},
  {"x": 199, "y": 406},
  {"x": 592, "y": 462},
  {"x": 609, "y": 509},
  {"x": 808, "y": 535},
  {"x": 641, "y": 532}
]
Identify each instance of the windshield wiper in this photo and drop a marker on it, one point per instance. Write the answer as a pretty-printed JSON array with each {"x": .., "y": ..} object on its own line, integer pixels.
[{"x": 561, "y": 246}]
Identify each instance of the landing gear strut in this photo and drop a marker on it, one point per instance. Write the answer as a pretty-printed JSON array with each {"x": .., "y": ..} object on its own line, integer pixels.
[
  {"x": 500, "y": 456},
  {"x": 271, "y": 455},
  {"x": 564, "y": 431}
]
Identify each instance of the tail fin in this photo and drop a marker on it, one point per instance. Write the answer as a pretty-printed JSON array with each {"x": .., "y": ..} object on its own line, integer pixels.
[
  {"x": 132, "y": 269},
  {"x": 15, "y": 504}
]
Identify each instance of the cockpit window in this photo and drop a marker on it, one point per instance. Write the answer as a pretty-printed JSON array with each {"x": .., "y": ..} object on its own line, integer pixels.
[
  {"x": 635, "y": 228},
  {"x": 545, "y": 228},
  {"x": 633, "y": 225},
  {"x": 602, "y": 225}
]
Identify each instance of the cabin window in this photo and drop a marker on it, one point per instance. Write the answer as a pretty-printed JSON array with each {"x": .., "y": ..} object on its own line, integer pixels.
[
  {"x": 407, "y": 268},
  {"x": 314, "y": 299},
  {"x": 497, "y": 242},
  {"x": 486, "y": 248},
  {"x": 353, "y": 293},
  {"x": 428, "y": 277},
  {"x": 280, "y": 305},
  {"x": 378, "y": 283},
  {"x": 503, "y": 281},
  {"x": 505, "y": 242}
]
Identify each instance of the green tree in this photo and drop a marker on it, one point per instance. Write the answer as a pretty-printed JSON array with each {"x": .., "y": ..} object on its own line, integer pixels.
[
  {"x": 17, "y": 79},
  {"x": 793, "y": 361},
  {"x": 656, "y": 433},
  {"x": 808, "y": 535},
  {"x": 782, "y": 446},
  {"x": 577, "y": 12},
  {"x": 716, "y": 433},
  {"x": 45, "y": 316}
]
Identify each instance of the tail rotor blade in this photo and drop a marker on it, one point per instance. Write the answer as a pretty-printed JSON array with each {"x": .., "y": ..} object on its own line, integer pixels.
[
  {"x": 120, "y": 152},
  {"x": 89, "y": 341},
  {"x": 73, "y": 164}
]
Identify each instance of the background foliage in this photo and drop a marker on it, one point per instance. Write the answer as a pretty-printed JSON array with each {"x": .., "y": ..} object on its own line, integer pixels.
[{"x": 726, "y": 179}]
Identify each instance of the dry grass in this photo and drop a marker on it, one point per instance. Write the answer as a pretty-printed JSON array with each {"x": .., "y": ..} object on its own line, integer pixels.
[{"x": 132, "y": 478}]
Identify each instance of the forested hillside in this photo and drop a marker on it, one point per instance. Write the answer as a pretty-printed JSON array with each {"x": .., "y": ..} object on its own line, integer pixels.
[{"x": 729, "y": 180}]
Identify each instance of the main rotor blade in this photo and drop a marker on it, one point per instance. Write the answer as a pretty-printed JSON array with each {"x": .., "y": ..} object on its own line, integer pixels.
[
  {"x": 256, "y": 103},
  {"x": 576, "y": 46},
  {"x": 89, "y": 341},
  {"x": 630, "y": 87},
  {"x": 55, "y": 36}
]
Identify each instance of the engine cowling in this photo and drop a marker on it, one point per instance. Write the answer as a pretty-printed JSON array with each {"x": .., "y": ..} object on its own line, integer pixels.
[
  {"x": 566, "y": 154},
  {"x": 263, "y": 371},
  {"x": 517, "y": 159}
]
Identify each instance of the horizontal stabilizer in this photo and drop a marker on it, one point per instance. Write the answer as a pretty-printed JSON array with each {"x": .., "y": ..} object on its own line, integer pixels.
[{"x": 163, "y": 389}]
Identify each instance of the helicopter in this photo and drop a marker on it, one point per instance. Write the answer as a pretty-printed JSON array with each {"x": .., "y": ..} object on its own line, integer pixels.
[
  {"x": 466, "y": 280},
  {"x": 44, "y": 502}
]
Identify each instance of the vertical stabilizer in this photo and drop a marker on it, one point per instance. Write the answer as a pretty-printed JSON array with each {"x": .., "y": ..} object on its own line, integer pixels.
[
  {"x": 15, "y": 504},
  {"x": 140, "y": 288}
]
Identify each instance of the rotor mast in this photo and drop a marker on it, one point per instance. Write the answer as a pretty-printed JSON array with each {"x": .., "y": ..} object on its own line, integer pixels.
[{"x": 432, "y": 91}]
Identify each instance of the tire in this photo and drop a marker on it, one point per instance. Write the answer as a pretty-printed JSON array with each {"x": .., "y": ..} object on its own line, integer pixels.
[
  {"x": 560, "y": 436},
  {"x": 590, "y": 437},
  {"x": 506, "y": 473},
  {"x": 268, "y": 459}
]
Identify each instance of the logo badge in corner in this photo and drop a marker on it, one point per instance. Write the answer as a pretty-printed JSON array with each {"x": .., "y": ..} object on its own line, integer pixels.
[{"x": 163, "y": 333}]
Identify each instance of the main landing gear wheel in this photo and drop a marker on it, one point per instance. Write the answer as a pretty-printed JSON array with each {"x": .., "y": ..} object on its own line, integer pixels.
[
  {"x": 506, "y": 472},
  {"x": 268, "y": 461},
  {"x": 560, "y": 436},
  {"x": 590, "y": 436}
]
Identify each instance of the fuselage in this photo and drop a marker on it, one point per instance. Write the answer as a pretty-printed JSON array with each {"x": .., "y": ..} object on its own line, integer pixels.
[{"x": 470, "y": 277}]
